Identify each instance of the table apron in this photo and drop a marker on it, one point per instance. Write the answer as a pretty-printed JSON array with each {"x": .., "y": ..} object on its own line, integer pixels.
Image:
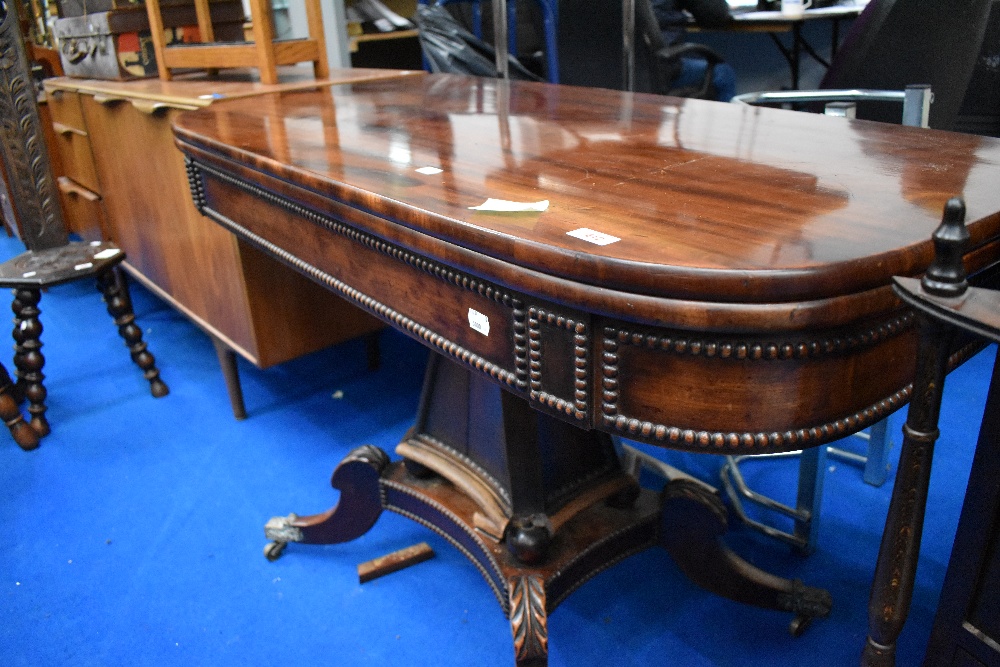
[{"x": 711, "y": 391}]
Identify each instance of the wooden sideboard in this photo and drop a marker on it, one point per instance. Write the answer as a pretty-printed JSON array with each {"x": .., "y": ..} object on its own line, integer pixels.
[{"x": 124, "y": 180}]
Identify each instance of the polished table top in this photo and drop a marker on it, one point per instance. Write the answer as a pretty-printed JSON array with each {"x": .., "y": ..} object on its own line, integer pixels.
[
  {"x": 762, "y": 233},
  {"x": 714, "y": 201}
]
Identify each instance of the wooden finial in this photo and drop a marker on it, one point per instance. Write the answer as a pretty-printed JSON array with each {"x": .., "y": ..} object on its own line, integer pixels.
[{"x": 946, "y": 274}]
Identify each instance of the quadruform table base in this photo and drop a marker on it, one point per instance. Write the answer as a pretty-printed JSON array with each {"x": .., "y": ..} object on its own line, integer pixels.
[{"x": 686, "y": 519}]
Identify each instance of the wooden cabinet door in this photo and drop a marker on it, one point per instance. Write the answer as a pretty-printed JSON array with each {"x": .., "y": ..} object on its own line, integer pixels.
[{"x": 185, "y": 258}]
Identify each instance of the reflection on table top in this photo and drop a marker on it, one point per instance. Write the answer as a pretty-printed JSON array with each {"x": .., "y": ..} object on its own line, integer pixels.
[{"x": 759, "y": 205}]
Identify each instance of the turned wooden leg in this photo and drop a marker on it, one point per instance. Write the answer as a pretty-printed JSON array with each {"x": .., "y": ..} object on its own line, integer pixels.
[
  {"x": 19, "y": 382},
  {"x": 360, "y": 505},
  {"x": 896, "y": 569},
  {"x": 28, "y": 356},
  {"x": 114, "y": 286},
  {"x": 231, "y": 373},
  {"x": 693, "y": 523},
  {"x": 529, "y": 620},
  {"x": 24, "y": 435}
]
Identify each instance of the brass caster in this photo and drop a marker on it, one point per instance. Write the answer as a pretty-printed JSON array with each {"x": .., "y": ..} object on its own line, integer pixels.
[
  {"x": 273, "y": 550},
  {"x": 799, "y": 625}
]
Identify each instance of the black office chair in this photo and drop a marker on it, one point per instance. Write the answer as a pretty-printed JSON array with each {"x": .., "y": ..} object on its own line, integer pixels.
[
  {"x": 897, "y": 43},
  {"x": 665, "y": 59},
  {"x": 51, "y": 258},
  {"x": 980, "y": 110}
]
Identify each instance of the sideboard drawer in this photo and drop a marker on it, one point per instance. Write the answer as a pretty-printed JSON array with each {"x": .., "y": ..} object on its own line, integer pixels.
[
  {"x": 83, "y": 210},
  {"x": 66, "y": 110},
  {"x": 72, "y": 139}
]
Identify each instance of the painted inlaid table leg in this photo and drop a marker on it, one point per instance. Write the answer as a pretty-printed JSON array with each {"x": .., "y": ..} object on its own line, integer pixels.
[
  {"x": 360, "y": 505},
  {"x": 693, "y": 522},
  {"x": 28, "y": 357},
  {"x": 895, "y": 571},
  {"x": 113, "y": 286},
  {"x": 896, "y": 568}
]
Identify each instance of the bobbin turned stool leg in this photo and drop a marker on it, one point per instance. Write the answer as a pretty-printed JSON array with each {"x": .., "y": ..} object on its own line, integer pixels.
[
  {"x": 28, "y": 356},
  {"x": 114, "y": 286},
  {"x": 19, "y": 384},
  {"x": 25, "y": 436}
]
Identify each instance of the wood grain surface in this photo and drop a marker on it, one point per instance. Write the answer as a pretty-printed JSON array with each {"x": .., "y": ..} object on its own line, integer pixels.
[
  {"x": 746, "y": 305},
  {"x": 710, "y": 201}
]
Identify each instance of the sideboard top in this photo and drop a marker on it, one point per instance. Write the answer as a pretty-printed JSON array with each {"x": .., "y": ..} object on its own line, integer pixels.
[
  {"x": 706, "y": 200},
  {"x": 200, "y": 89}
]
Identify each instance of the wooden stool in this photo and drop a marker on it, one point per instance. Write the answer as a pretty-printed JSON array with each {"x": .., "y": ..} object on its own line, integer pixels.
[
  {"x": 31, "y": 272},
  {"x": 263, "y": 53}
]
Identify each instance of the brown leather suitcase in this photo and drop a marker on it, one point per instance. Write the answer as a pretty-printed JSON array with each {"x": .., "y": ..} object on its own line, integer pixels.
[
  {"x": 71, "y": 8},
  {"x": 116, "y": 44}
]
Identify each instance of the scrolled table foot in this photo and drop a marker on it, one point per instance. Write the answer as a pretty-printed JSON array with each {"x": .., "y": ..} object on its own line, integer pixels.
[
  {"x": 693, "y": 522},
  {"x": 357, "y": 478},
  {"x": 807, "y": 603}
]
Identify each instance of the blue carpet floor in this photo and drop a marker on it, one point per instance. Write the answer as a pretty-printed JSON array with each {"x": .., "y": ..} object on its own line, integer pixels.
[{"x": 134, "y": 534}]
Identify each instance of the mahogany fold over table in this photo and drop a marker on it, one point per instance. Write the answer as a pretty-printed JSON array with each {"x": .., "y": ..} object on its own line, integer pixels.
[{"x": 704, "y": 276}]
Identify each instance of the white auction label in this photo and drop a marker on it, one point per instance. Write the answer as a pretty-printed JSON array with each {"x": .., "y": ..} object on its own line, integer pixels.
[
  {"x": 505, "y": 206},
  {"x": 590, "y": 236},
  {"x": 479, "y": 322}
]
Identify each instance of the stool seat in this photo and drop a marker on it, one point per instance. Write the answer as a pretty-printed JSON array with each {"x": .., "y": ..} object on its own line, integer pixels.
[
  {"x": 63, "y": 264},
  {"x": 31, "y": 272}
]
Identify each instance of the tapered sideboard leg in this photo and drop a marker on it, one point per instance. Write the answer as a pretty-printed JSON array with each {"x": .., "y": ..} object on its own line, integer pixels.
[{"x": 231, "y": 373}]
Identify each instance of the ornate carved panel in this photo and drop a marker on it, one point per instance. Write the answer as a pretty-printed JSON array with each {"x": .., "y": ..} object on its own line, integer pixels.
[{"x": 22, "y": 143}]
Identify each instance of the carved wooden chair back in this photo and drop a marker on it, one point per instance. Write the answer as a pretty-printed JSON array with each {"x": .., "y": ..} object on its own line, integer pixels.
[{"x": 34, "y": 198}]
